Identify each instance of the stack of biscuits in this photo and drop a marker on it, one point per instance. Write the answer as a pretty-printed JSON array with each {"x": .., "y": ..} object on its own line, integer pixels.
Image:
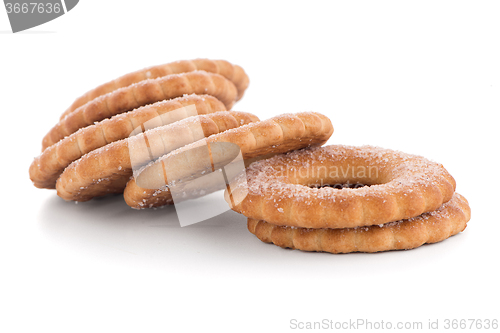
[
  {"x": 342, "y": 199},
  {"x": 164, "y": 127},
  {"x": 124, "y": 124},
  {"x": 122, "y": 136}
]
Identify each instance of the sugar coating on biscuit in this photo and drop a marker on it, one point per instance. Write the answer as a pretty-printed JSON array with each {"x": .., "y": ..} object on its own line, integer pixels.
[{"x": 405, "y": 185}]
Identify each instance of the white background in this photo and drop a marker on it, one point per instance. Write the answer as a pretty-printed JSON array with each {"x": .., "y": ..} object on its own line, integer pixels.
[{"x": 422, "y": 77}]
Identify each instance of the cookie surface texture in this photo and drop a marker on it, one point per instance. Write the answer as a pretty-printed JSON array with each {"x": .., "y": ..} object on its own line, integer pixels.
[
  {"x": 140, "y": 94},
  {"x": 448, "y": 220},
  {"x": 46, "y": 168},
  {"x": 234, "y": 73},
  {"x": 255, "y": 140},
  {"x": 298, "y": 189},
  {"x": 108, "y": 169}
]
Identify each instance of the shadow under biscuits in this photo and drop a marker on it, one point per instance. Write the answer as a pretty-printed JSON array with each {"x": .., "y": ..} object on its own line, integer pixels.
[
  {"x": 221, "y": 245},
  {"x": 107, "y": 211},
  {"x": 109, "y": 222}
]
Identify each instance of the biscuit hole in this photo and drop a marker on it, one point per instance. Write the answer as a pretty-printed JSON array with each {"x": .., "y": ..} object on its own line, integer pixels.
[{"x": 339, "y": 186}]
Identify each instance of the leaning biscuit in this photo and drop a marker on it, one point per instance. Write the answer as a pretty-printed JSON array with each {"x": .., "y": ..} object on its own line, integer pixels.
[
  {"x": 289, "y": 189},
  {"x": 139, "y": 197},
  {"x": 107, "y": 169},
  {"x": 140, "y": 94},
  {"x": 448, "y": 220},
  {"x": 255, "y": 141},
  {"x": 234, "y": 73},
  {"x": 46, "y": 168}
]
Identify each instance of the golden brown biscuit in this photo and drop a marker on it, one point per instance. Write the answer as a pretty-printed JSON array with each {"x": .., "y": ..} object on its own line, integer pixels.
[
  {"x": 140, "y": 94},
  {"x": 288, "y": 189},
  {"x": 448, "y": 220},
  {"x": 138, "y": 197},
  {"x": 234, "y": 73},
  {"x": 255, "y": 141},
  {"x": 108, "y": 169},
  {"x": 47, "y": 167}
]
